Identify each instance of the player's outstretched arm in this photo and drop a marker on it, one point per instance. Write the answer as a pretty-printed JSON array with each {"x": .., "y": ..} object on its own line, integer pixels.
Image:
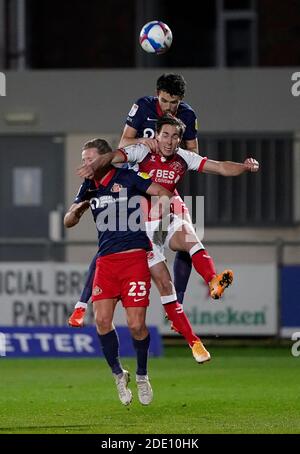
[
  {"x": 230, "y": 169},
  {"x": 75, "y": 212}
]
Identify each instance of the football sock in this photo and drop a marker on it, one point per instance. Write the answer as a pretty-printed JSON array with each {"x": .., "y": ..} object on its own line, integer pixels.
[
  {"x": 88, "y": 286},
  {"x": 203, "y": 264},
  {"x": 182, "y": 270},
  {"x": 180, "y": 321},
  {"x": 110, "y": 347},
  {"x": 141, "y": 347}
]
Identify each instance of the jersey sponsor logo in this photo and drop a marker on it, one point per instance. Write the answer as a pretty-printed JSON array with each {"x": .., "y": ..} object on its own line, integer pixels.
[
  {"x": 196, "y": 124},
  {"x": 144, "y": 175},
  {"x": 151, "y": 119},
  {"x": 165, "y": 174},
  {"x": 152, "y": 158},
  {"x": 97, "y": 291},
  {"x": 101, "y": 202},
  {"x": 116, "y": 187},
  {"x": 136, "y": 300},
  {"x": 133, "y": 110}
]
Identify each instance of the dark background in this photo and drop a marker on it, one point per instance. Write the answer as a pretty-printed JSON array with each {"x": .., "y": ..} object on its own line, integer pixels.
[{"x": 98, "y": 34}]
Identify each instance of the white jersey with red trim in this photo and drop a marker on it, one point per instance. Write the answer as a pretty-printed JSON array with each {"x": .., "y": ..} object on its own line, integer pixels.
[{"x": 167, "y": 172}]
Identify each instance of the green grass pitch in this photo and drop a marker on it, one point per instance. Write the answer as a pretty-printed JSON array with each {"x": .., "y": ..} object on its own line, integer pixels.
[{"x": 242, "y": 390}]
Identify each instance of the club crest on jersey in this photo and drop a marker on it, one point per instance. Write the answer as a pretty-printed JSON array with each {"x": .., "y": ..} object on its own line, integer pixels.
[
  {"x": 133, "y": 110},
  {"x": 97, "y": 291},
  {"x": 176, "y": 166},
  {"x": 116, "y": 187}
]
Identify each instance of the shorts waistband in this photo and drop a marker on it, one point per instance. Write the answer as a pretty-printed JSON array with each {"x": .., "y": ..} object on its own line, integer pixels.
[{"x": 122, "y": 255}]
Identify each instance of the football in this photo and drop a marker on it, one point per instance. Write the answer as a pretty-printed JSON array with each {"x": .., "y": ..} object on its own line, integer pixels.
[{"x": 156, "y": 37}]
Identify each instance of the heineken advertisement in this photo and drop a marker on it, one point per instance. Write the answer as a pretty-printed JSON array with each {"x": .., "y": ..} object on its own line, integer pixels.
[{"x": 248, "y": 307}]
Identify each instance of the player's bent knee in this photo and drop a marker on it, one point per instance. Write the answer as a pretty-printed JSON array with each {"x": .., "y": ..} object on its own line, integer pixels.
[
  {"x": 137, "y": 329},
  {"x": 103, "y": 323}
]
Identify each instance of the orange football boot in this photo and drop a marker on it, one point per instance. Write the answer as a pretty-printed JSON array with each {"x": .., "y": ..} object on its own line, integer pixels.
[
  {"x": 219, "y": 283},
  {"x": 200, "y": 353}
]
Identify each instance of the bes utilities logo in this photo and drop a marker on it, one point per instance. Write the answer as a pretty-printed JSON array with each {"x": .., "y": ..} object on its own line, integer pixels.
[{"x": 2, "y": 84}]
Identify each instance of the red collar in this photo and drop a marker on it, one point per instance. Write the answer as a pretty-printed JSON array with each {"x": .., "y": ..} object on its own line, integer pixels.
[
  {"x": 159, "y": 111},
  {"x": 106, "y": 179}
]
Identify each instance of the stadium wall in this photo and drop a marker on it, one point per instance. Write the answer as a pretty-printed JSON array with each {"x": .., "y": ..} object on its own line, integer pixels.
[{"x": 84, "y": 101}]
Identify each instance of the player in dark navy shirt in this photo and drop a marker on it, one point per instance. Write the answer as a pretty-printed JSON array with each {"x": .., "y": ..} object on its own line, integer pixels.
[
  {"x": 145, "y": 112},
  {"x": 141, "y": 120},
  {"x": 122, "y": 270},
  {"x": 140, "y": 128},
  {"x": 111, "y": 212}
]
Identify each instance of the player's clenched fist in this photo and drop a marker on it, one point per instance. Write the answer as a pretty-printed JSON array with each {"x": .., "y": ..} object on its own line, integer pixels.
[{"x": 251, "y": 164}]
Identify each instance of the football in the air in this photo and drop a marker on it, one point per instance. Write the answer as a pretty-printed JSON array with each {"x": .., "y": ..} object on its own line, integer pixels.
[{"x": 156, "y": 37}]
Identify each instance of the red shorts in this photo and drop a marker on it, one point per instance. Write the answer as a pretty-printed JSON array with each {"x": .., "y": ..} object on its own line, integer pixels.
[{"x": 125, "y": 276}]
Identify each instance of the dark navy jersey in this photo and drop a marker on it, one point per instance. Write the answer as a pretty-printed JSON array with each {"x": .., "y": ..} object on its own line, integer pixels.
[
  {"x": 115, "y": 204},
  {"x": 145, "y": 112}
]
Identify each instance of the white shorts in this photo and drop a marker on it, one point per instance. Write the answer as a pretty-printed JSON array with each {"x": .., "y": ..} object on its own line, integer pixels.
[{"x": 161, "y": 239}]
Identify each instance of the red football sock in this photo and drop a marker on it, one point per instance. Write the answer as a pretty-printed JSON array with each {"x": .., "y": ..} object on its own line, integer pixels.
[
  {"x": 180, "y": 321},
  {"x": 204, "y": 265}
]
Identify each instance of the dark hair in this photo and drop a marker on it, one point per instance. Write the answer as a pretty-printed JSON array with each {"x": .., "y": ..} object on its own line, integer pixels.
[
  {"x": 174, "y": 84},
  {"x": 168, "y": 119},
  {"x": 101, "y": 145}
]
